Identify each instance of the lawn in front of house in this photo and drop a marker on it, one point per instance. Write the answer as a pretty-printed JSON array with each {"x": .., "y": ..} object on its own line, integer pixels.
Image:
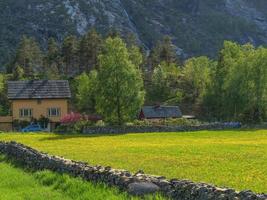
[{"x": 236, "y": 159}]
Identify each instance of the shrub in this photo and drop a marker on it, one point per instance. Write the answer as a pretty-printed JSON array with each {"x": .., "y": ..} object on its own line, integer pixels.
[
  {"x": 71, "y": 118},
  {"x": 76, "y": 122},
  {"x": 19, "y": 124}
]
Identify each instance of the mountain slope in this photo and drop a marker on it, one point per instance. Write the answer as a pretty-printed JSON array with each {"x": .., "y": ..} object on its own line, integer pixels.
[{"x": 198, "y": 27}]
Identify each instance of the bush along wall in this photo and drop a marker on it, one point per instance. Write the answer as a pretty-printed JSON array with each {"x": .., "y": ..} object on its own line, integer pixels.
[{"x": 135, "y": 184}]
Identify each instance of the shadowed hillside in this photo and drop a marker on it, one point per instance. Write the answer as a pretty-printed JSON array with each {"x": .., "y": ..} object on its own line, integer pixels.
[{"x": 196, "y": 27}]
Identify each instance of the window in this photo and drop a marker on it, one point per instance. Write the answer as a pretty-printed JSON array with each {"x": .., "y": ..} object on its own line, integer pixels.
[
  {"x": 25, "y": 112},
  {"x": 53, "y": 112}
]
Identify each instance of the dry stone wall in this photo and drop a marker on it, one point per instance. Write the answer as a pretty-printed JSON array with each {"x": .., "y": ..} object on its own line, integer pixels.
[
  {"x": 136, "y": 184},
  {"x": 158, "y": 129}
]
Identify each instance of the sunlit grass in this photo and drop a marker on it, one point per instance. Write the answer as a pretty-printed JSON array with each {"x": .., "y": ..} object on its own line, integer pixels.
[
  {"x": 16, "y": 184},
  {"x": 236, "y": 159}
]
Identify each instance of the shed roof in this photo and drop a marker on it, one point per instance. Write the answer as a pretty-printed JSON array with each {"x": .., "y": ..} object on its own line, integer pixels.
[
  {"x": 39, "y": 89},
  {"x": 151, "y": 112}
]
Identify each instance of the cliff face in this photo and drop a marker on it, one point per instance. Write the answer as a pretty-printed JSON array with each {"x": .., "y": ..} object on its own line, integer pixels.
[{"x": 197, "y": 27}]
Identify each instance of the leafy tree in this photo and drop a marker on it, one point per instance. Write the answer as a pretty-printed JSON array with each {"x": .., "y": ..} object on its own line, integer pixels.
[
  {"x": 89, "y": 50},
  {"x": 86, "y": 91},
  {"x": 113, "y": 33},
  {"x": 131, "y": 40},
  {"x": 18, "y": 73},
  {"x": 4, "y": 103},
  {"x": 52, "y": 60},
  {"x": 120, "y": 92},
  {"x": 165, "y": 85},
  {"x": 70, "y": 55},
  {"x": 197, "y": 77},
  {"x": 164, "y": 51},
  {"x": 135, "y": 56},
  {"x": 167, "y": 52},
  {"x": 240, "y": 84},
  {"x": 259, "y": 75},
  {"x": 28, "y": 57}
]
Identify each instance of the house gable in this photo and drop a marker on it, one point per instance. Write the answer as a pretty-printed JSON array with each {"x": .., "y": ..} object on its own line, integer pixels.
[{"x": 160, "y": 112}]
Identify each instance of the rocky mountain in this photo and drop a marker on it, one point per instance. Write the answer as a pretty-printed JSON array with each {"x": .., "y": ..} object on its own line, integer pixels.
[{"x": 197, "y": 27}]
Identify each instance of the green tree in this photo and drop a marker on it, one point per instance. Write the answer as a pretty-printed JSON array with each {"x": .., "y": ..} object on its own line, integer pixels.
[
  {"x": 52, "y": 60},
  {"x": 197, "y": 77},
  {"x": 113, "y": 33},
  {"x": 165, "y": 84},
  {"x": 135, "y": 56},
  {"x": 239, "y": 84},
  {"x": 89, "y": 50},
  {"x": 70, "y": 55},
  {"x": 53, "y": 52},
  {"x": 86, "y": 92},
  {"x": 4, "y": 103},
  {"x": 18, "y": 74},
  {"x": 167, "y": 52},
  {"x": 29, "y": 57},
  {"x": 120, "y": 92},
  {"x": 164, "y": 51}
]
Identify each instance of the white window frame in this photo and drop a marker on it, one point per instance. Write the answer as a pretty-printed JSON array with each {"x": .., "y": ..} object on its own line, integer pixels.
[
  {"x": 53, "y": 112},
  {"x": 25, "y": 112}
]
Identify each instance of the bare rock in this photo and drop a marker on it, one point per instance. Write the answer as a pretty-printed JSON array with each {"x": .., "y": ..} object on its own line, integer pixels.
[{"x": 142, "y": 188}]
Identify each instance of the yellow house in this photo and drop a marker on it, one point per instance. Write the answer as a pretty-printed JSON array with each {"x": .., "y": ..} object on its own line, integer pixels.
[{"x": 35, "y": 99}]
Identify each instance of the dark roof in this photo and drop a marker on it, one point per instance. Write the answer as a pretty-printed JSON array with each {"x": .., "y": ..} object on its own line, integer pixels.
[
  {"x": 151, "y": 112},
  {"x": 41, "y": 89}
]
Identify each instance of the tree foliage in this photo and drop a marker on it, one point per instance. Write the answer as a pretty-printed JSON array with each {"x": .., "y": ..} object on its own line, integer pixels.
[
  {"x": 120, "y": 91},
  {"x": 89, "y": 49},
  {"x": 108, "y": 78},
  {"x": 52, "y": 61},
  {"x": 240, "y": 83},
  {"x": 86, "y": 92},
  {"x": 197, "y": 77},
  {"x": 164, "y": 51},
  {"x": 4, "y": 103},
  {"x": 29, "y": 57},
  {"x": 70, "y": 55},
  {"x": 165, "y": 84}
]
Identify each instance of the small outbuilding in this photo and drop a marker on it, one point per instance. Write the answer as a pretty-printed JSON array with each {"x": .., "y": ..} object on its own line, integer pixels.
[{"x": 160, "y": 112}]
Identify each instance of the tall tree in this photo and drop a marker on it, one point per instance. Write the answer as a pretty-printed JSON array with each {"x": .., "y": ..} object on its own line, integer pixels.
[
  {"x": 167, "y": 52},
  {"x": 4, "y": 103},
  {"x": 28, "y": 57},
  {"x": 52, "y": 60},
  {"x": 113, "y": 33},
  {"x": 18, "y": 73},
  {"x": 240, "y": 84},
  {"x": 70, "y": 55},
  {"x": 164, "y": 51},
  {"x": 197, "y": 77},
  {"x": 165, "y": 85},
  {"x": 86, "y": 91},
  {"x": 89, "y": 50},
  {"x": 120, "y": 91}
]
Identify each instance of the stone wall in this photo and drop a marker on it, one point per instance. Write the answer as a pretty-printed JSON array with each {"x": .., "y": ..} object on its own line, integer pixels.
[
  {"x": 136, "y": 184},
  {"x": 152, "y": 129}
]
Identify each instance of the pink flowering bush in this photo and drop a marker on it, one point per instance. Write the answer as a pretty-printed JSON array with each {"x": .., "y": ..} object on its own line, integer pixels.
[
  {"x": 76, "y": 122},
  {"x": 71, "y": 118}
]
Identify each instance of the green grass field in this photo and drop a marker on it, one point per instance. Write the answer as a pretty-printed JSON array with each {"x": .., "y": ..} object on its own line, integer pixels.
[
  {"x": 20, "y": 185},
  {"x": 236, "y": 159}
]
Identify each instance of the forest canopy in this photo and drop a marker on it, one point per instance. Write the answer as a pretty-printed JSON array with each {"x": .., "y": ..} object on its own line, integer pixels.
[{"x": 233, "y": 87}]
